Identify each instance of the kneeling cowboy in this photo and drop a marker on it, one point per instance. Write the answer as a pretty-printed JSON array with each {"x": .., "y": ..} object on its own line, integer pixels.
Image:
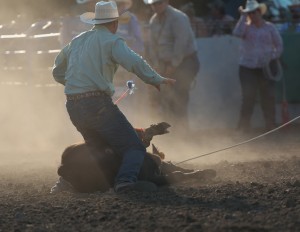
[{"x": 86, "y": 67}]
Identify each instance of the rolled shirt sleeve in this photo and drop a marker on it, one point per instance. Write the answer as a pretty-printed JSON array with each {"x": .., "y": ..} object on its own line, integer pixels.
[{"x": 241, "y": 27}]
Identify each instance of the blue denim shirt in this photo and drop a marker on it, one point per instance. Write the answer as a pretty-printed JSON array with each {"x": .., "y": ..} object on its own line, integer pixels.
[{"x": 90, "y": 60}]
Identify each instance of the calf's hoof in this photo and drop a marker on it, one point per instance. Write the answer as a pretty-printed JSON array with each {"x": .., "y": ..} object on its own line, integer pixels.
[
  {"x": 157, "y": 129},
  {"x": 62, "y": 186}
]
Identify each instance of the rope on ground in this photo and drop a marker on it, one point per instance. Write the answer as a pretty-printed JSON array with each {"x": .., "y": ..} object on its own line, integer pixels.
[{"x": 241, "y": 143}]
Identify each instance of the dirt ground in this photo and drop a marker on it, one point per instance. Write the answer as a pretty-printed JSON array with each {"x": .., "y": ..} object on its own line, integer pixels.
[
  {"x": 261, "y": 195},
  {"x": 257, "y": 187}
]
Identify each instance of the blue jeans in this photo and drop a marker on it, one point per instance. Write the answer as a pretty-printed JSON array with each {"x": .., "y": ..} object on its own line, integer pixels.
[
  {"x": 253, "y": 83},
  {"x": 99, "y": 120}
]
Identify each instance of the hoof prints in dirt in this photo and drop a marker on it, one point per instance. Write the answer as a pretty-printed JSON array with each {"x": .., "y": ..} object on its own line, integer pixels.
[{"x": 253, "y": 196}]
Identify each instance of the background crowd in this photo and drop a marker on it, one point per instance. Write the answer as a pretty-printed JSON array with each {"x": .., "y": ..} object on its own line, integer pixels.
[
  {"x": 207, "y": 17},
  {"x": 146, "y": 34}
]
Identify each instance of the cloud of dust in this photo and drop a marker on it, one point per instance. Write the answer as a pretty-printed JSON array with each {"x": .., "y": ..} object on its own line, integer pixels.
[
  {"x": 213, "y": 116},
  {"x": 36, "y": 126},
  {"x": 202, "y": 135},
  {"x": 32, "y": 10}
]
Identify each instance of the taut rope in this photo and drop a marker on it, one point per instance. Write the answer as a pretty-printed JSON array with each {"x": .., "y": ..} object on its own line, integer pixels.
[{"x": 244, "y": 142}]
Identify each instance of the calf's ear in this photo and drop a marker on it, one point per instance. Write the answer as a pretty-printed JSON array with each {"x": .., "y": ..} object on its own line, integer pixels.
[{"x": 155, "y": 151}]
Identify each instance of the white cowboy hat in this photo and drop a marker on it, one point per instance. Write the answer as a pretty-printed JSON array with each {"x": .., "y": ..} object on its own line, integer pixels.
[
  {"x": 127, "y": 2},
  {"x": 149, "y": 2},
  {"x": 252, "y": 5},
  {"x": 105, "y": 12}
]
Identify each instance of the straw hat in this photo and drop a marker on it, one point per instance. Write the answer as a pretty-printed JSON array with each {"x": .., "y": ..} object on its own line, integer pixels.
[
  {"x": 128, "y": 3},
  {"x": 149, "y": 2},
  {"x": 252, "y": 5},
  {"x": 104, "y": 12}
]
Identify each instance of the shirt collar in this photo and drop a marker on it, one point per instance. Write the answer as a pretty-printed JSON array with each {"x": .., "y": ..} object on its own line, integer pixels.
[
  {"x": 99, "y": 27},
  {"x": 164, "y": 14}
]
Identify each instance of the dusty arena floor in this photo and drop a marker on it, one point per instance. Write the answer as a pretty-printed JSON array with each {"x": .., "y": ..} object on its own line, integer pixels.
[
  {"x": 257, "y": 187},
  {"x": 246, "y": 196}
]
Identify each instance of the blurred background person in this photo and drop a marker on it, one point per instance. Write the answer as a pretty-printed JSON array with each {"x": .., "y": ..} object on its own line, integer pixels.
[
  {"x": 219, "y": 22},
  {"x": 278, "y": 10},
  {"x": 232, "y": 6},
  {"x": 173, "y": 53},
  {"x": 197, "y": 23},
  {"x": 129, "y": 28},
  {"x": 71, "y": 25},
  {"x": 261, "y": 42}
]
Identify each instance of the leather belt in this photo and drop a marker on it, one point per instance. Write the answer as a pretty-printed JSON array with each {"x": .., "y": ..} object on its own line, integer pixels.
[{"x": 71, "y": 97}]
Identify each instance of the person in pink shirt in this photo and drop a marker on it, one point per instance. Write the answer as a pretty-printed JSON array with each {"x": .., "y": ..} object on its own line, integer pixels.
[{"x": 260, "y": 43}]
